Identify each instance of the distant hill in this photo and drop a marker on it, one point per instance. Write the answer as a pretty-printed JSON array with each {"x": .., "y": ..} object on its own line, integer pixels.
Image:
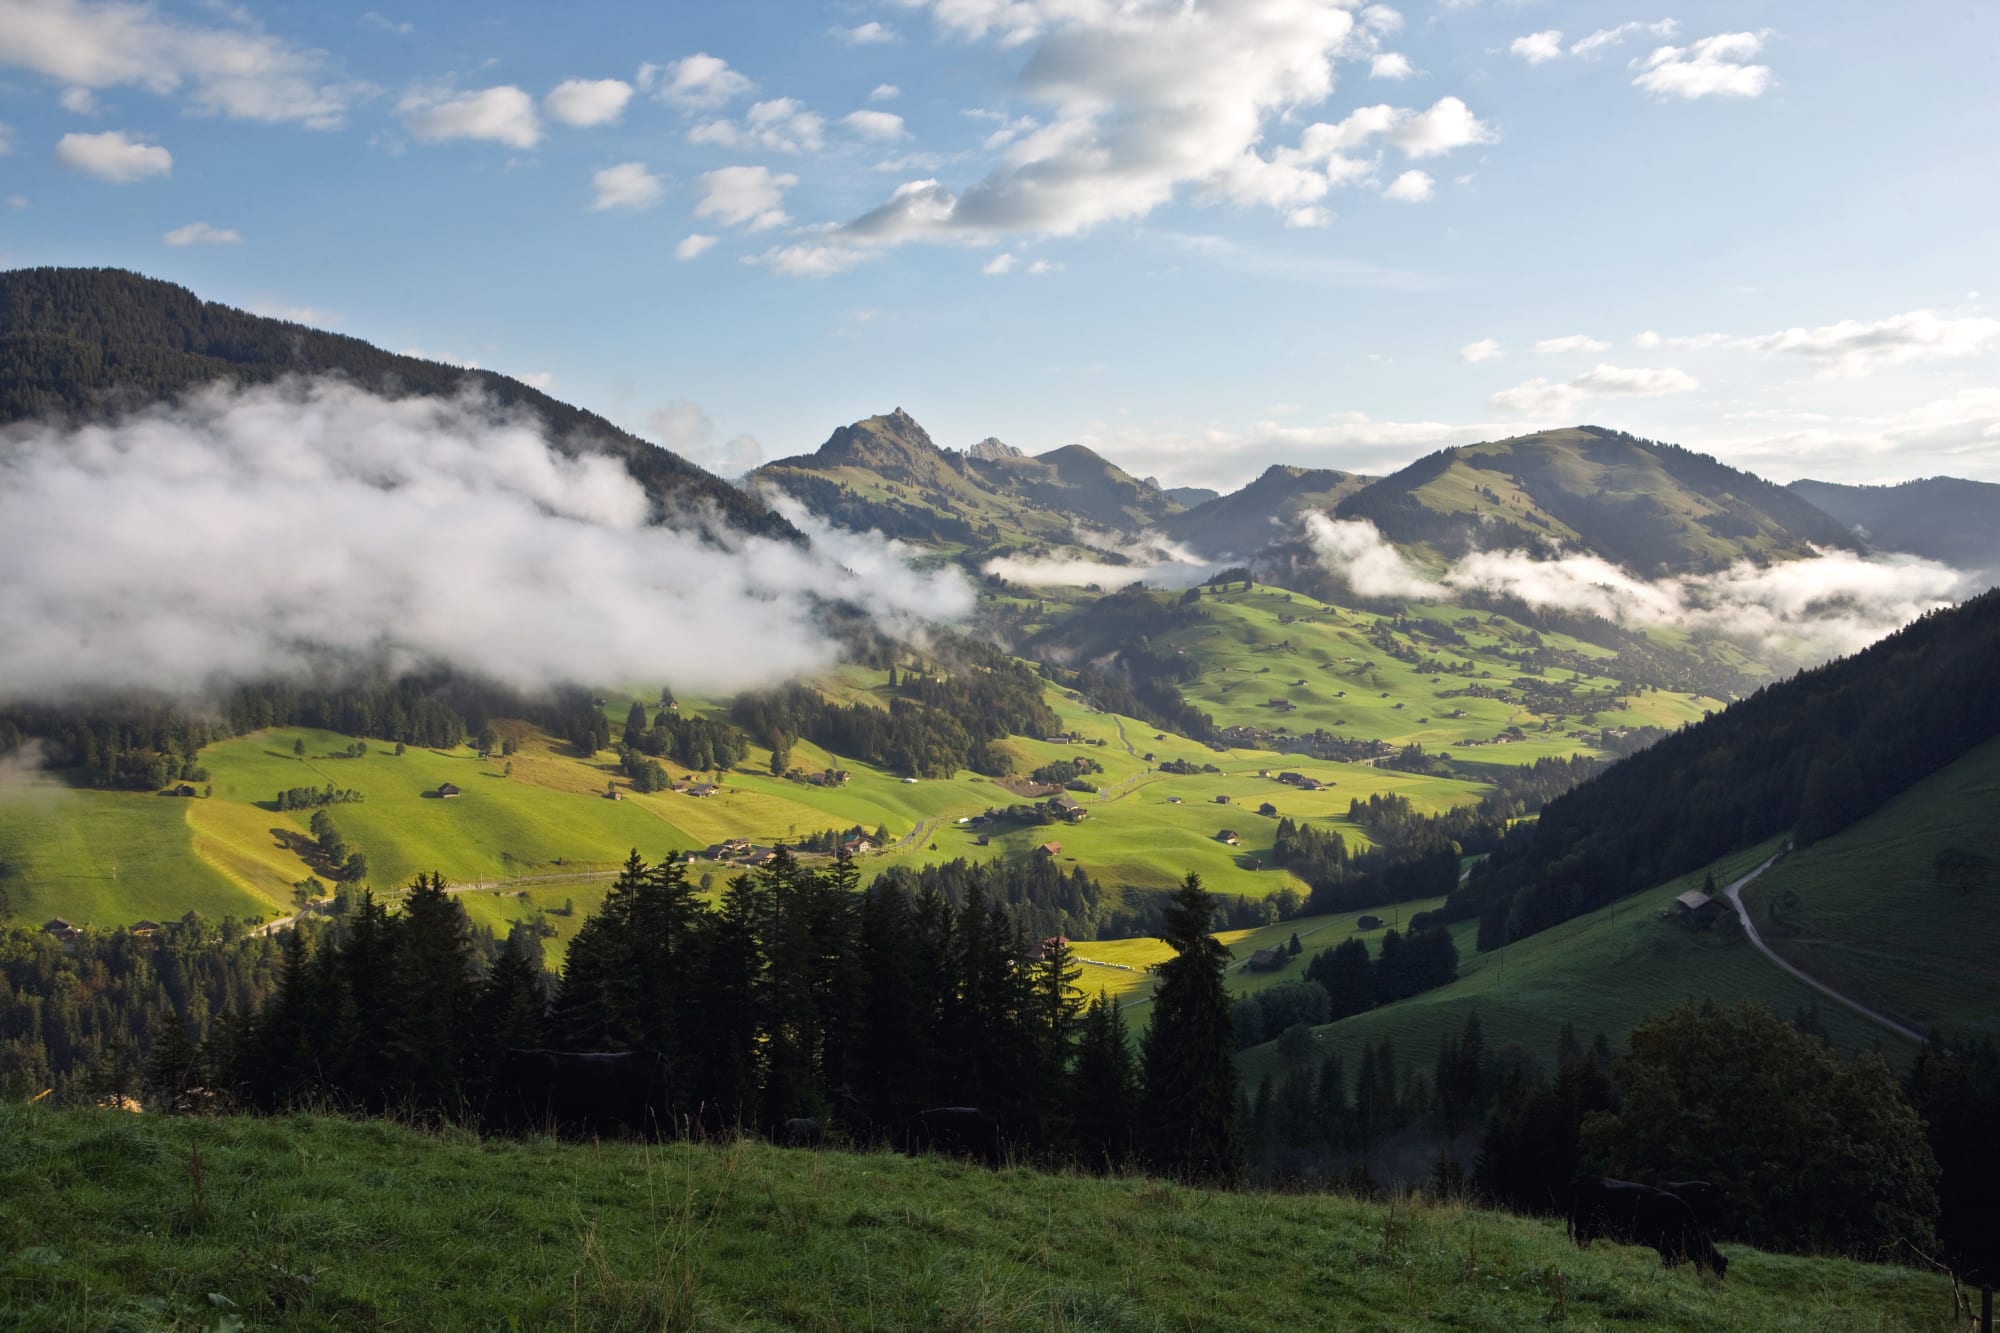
[
  {"x": 1653, "y": 508},
  {"x": 1190, "y": 496},
  {"x": 82, "y": 343},
  {"x": 886, "y": 472},
  {"x": 1944, "y": 518},
  {"x": 1244, "y": 521}
]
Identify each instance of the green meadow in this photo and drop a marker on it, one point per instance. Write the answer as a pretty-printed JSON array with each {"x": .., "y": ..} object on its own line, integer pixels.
[
  {"x": 1863, "y": 910},
  {"x": 1604, "y": 971},
  {"x": 312, "y": 1222}
]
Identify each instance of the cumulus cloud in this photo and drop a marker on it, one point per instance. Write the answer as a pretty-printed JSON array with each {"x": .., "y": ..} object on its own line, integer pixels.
[
  {"x": 1135, "y": 105},
  {"x": 1605, "y": 38},
  {"x": 998, "y": 265},
  {"x": 1390, "y": 65},
  {"x": 236, "y": 70},
  {"x": 503, "y": 114},
  {"x": 780, "y": 125},
  {"x": 113, "y": 156},
  {"x": 627, "y": 185},
  {"x": 586, "y": 102},
  {"x": 1792, "y": 613},
  {"x": 882, "y": 125},
  {"x": 749, "y": 197},
  {"x": 808, "y": 259},
  {"x": 699, "y": 82},
  {"x": 1712, "y": 67},
  {"x": 1546, "y": 398},
  {"x": 1852, "y": 348},
  {"x": 79, "y": 101},
  {"x": 871, "y": 33},
  {"x": 1484, "y": 350},
  {"x": 1412, "y": 187},
  {"x": 1575, "y": 342},
  {"x": 884, "y": 92},
  {"x": 441, "y": 531},
  {"x": 200, "y": 233},
  {"x": 692, "y": 246},
  {"x": 1538, "y": 48}
]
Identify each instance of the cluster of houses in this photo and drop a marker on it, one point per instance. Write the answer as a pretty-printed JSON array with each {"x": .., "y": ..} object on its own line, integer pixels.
[
  {"x": 1299, "y": 780},
  {"x": 832, "y": 777},
  {"x": 67, "y": 931}
]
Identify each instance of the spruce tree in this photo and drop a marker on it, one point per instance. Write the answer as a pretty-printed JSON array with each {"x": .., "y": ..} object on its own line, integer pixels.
[
  {"x": 1192, "y": 1101},
  {"x": 1104, "y": 1088}
]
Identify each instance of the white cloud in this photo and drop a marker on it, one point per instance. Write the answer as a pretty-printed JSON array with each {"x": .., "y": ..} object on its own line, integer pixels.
[
  {"x": 780, "y": 125},
  {"x": 113, "y": 156},
  {"x": 1390, "y": 65},
  {"x": 1412, "y": 187},
  {"x": 875, "y": 124},
  {"x": 699, "y": 82},
  {"x": 1139, "y": 104},
  {"x": 884, "y": 92},
  {"x": 1484, "y": 350},
  {"x": 1606, "y": 38},
  {"x": 6, "y": 139},
  {"x": 79, "y": 101},
  {"x": 1712, "y": 67},
  {"x": 692, "y": 246},
  {"x": 1042, "y": 266},
  {"x": 586, "y": 102},
  {"x": 237, "y": 70},
  {"x": 1538, "y": 48},
  {"x": 871, "y": 33},
  {"x": 999, "y": 264},
  {"x": 200, "y": 233},
  {"x": 503, "y": 114},
  {"x": 300, "y": 314},
  {"x": 1851, "y": 348},
  {"x": 540, "y": 379},
  {"x": 441, "y": 527},
  {"x": 17, "y": 202},
  {"x": 809, "y": 259},
  {"x": 1575, "y": 342},
  {"x": 1546, "y": 398},
  {"x": 381, "y": 24},
  {"x": 684, "y": 427},
  {"x": 627, "y": 185},
  {"x": 750, "y": 197}
]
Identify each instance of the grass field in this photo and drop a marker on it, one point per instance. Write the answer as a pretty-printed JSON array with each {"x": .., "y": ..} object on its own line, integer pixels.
[
  {"x": 1862, "y": 910},
  {"x": 1601, "y": 972},
  {"x": 122, "y": 1221}
]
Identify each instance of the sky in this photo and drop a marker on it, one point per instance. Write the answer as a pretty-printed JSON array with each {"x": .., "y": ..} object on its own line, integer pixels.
[{"x": 1200, "y": 237}]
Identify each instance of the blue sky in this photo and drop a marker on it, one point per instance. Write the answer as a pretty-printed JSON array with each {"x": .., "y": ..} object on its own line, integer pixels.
[{"x": 1201, "y": 238}]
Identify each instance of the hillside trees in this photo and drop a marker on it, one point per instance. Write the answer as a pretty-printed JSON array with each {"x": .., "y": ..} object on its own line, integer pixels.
[{"x": 1190, "y": 1113}]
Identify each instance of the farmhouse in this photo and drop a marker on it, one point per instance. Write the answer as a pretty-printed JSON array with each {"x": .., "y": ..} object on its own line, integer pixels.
[
  {"x": 1227, "y": 837},
  {"x": 143, "y": 929},
  {"x": 1063, "y": 808},
  {"x": 1698, "y": 909},
  {"x": 1267, "y": 960},
  {"x": 702, "y": 789},
  {"x": 61, "y": 929},
  {"x": 832, "y": 777},
  {"x": 857, "y": 845},
  {"x": 446, "y": 791},
  {"x": 184, "y": 790},
  {"x": 1049, "y": 849},
  {"x": 1222, "y": 800}
]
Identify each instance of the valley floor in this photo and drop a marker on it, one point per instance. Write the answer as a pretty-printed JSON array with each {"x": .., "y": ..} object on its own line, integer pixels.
[{"x": 123, "y": 1221}]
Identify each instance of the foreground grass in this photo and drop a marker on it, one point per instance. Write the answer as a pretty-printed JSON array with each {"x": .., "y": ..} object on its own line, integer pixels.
[{"x": 120, "y": 1221}]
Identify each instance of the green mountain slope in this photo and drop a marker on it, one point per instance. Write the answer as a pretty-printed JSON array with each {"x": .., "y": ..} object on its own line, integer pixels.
[
  {"x": 1652, "y": 508},
  {"x": 316, "y": 1222},
  {"x": 1945, "y": 518},
  {"x": 1073, "y": 480},
  {"x": 1244, "y": 521},
  {"x": 81, "y": 343}
]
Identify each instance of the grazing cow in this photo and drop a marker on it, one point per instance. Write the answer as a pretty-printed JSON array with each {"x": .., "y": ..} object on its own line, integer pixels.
[
  {"x": 581, "y": 1093},
  {"x": 957, "y": 1131},
  {"x": 801, "y": 1131},
  {"x": 1634, "y": 1214},
  {"x": 1704, "y": 1198}
]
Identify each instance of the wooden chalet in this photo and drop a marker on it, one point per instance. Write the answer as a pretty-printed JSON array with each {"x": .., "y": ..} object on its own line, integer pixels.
[
  {"x": 1698, "y": 909},
  {"x": 1063, "y": 808},
  {"x": 1228, "y": 837},
  {"x": 1267, "y": 960},
  {"x": 1049, "y": 849},
  {"x": 446, "y": 791},
  {"x": 61, "y": 929}
]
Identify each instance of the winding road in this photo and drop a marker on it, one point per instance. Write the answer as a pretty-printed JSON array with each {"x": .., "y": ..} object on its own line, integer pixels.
[{"x": 1734, "y": 892}]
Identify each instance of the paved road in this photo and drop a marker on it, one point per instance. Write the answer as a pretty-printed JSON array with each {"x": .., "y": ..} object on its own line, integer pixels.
[{"x": 1734, "y": 892}]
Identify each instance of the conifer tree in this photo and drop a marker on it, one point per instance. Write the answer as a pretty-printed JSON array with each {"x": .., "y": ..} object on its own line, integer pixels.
[
  {"x": 1192, "y": 1102},
  {"x": 1104, "y": 1096}
]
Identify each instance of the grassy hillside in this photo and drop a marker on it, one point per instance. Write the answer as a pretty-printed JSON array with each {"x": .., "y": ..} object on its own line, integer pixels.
[
  {"x": 1653, "y": 508},
  {"x": 1601, "y": 972},
  {"x": 308, "y": 1222},
  {"x": 1863, "y": 912}
]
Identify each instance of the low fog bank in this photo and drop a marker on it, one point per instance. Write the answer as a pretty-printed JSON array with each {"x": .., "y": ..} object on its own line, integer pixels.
[
  {"x": 1150, "y": 557},
  {"x": 1791, "y": 613},
  {"x": 245, "y": 533}
]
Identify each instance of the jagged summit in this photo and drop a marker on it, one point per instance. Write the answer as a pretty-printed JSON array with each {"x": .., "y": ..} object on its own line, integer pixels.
[{"x": 992, "y": 450}]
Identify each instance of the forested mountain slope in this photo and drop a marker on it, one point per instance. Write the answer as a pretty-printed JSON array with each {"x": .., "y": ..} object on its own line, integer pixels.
[
  {"x": 1246, "y": 520},
  {"x": 85, "y": 343},
  {"x": 1811, "y": 755},
  {"x": 1945, "y": 518},
  {"x": 1652, "y": 508}
]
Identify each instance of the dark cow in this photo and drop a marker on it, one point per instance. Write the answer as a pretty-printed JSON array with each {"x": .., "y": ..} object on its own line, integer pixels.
[
  {"x": 1704, "y": 1198},
  {"x": 1634, "y": 1214},
  {"x": 581, "y": 1093},
  {"x": 801, "y": 1131},
  {"x": 956, "y": 1131}
]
